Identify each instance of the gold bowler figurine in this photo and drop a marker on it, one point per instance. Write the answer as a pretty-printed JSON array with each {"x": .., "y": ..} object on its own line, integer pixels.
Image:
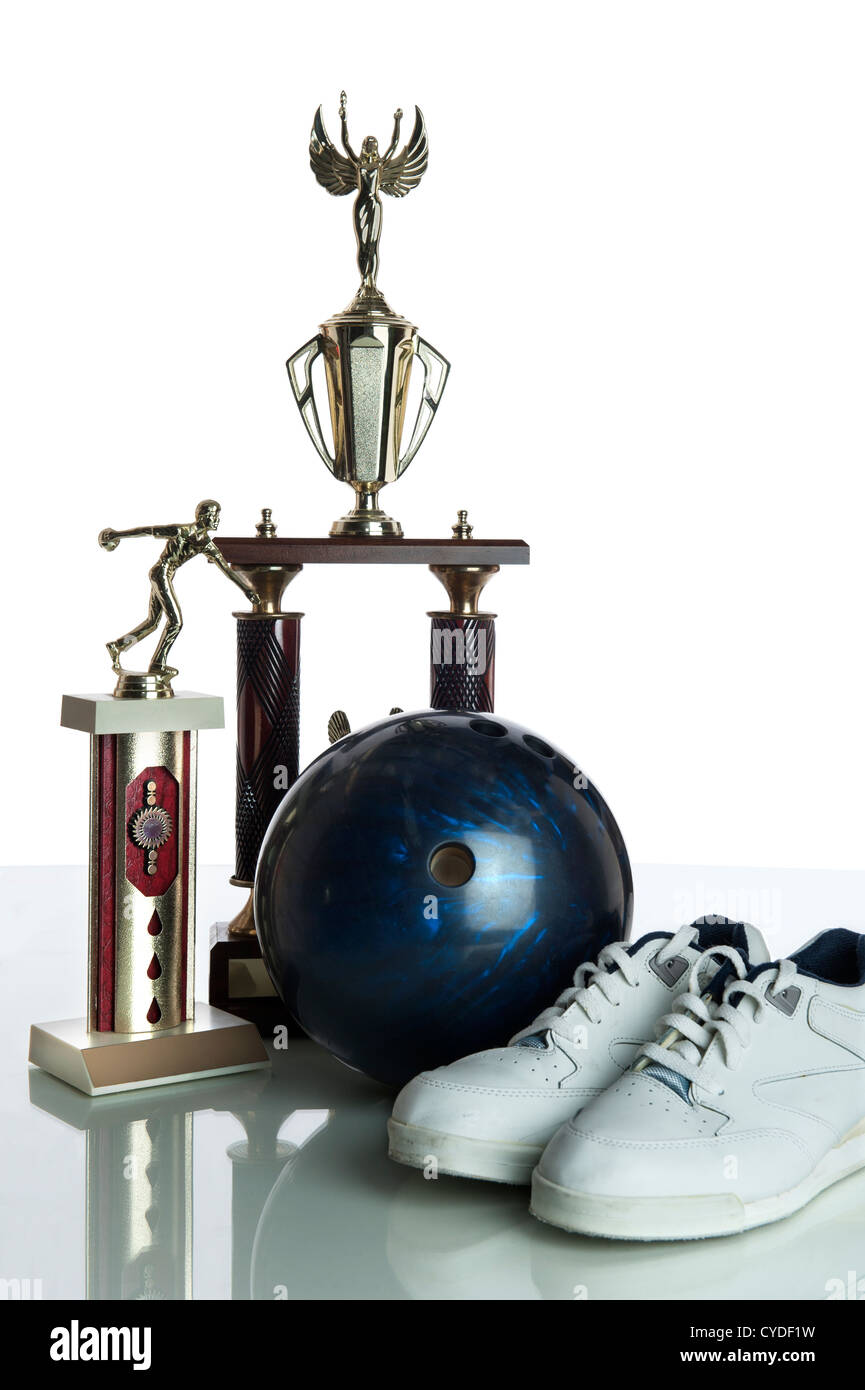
[
  {"x": 368, "y": 349},
  {"x": 184, "y": 541}
]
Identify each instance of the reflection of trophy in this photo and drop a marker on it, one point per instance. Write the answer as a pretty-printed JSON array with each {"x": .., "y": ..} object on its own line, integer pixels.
[
  {"x": 368, "y": 349},
  {"x": 143, "y": 1027},
  {"x": 140, "y": 1168},
  {"x": 138, "y": 1186}
]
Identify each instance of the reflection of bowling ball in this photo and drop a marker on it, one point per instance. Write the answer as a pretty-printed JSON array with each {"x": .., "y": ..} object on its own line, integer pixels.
[{"x": 430, "y": 883}]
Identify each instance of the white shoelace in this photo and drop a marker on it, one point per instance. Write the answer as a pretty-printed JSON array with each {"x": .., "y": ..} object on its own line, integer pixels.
[
  {"x": 699, "y": 1021},
  {"x": 604, "y": 982}
]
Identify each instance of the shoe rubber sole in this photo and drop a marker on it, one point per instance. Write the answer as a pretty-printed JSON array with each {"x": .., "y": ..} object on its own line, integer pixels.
[
  {"x": 689, "y": 1218},
  {"x": 458, "y": 1157}
]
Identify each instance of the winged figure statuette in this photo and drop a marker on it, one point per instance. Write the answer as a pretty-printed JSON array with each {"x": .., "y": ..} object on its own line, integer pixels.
[{"x": 368, "y": 174}]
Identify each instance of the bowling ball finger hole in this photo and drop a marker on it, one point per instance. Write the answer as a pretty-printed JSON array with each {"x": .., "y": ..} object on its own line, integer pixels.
[
  {"x": 452, "y": 865},
  {"x": 488, "y": 727},
  {"x": 537, "y": 745}
]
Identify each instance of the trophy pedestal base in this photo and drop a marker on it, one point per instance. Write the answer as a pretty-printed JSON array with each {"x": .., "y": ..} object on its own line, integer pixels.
[
  {"x": 370, "y": 522},
  {"x": 100, "y": 1064},
  {"x": 240, "y": 984},
  {"x": 144, "y": 685}
]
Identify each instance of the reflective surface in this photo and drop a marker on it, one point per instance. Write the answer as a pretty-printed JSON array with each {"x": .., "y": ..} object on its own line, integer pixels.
[
  {"x": 378, "y": 950},
  {"x": 275, "y": 1187}
]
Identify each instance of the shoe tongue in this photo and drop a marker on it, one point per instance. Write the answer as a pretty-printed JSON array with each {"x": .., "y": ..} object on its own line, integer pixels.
[
  {"x": 713, "y": 932},
  {"x": 672, "y": 1079},
  {"x": 668, "y": 1075},
  {"x": 721, "y": 931},
  {"x": 715, "y": 987},
  {"x": 537, "y": 1040}
]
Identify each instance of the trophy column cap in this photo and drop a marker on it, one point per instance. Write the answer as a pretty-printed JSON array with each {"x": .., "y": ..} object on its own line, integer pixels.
[
  {"x": 269, "y": 581},
  {"x": 103, "y": 714}
]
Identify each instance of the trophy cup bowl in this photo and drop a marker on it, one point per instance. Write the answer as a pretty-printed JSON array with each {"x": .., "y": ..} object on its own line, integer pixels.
[{"x": 368, "y": 354}]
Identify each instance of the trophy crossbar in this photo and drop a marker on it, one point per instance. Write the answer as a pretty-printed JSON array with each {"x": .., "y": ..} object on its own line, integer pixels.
[{"x": 369, "y": 550}]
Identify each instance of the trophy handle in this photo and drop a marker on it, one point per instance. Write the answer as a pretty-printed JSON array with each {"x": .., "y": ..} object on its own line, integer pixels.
[
  {"x": 303, "y": 394},
  {"x": 429, "y": 401}
]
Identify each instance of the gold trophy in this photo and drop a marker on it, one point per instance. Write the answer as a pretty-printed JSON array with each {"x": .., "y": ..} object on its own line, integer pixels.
[
  {"x": 143, "y": 1026},
  {"x": 184, "y": 540},
  {"x": 368, "y": 349}
]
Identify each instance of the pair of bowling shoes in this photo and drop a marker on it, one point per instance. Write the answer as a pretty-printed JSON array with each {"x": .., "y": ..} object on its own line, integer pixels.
[{"x": 685, "y": 1086}]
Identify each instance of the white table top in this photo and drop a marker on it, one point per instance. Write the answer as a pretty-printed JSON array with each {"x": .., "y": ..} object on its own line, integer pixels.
[{"x": 312, "y": 1207}]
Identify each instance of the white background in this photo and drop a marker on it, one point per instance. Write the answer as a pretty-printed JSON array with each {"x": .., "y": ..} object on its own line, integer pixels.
[{"x": 641, "y": 243}]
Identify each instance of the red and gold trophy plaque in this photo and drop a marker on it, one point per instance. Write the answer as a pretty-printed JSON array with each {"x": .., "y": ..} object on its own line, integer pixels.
[{"x": 142, "y": 1026}]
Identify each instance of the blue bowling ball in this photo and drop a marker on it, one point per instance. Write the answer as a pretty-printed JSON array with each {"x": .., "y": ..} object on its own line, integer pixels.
[{"x": 430, "y": 883}]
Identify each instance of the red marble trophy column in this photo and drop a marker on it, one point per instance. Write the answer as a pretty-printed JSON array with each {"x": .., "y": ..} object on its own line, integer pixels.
[
  {"x": 462, "y": 661},
  {"x": 268, "y": 750},
  {"x": 268, "y": 727},
  {"x": 462, "y": 640}
]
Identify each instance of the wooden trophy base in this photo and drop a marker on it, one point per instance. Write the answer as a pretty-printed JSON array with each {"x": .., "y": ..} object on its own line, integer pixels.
[
  {"x": 99, "y": 1064},
  {"x": 240, "y": 984}
]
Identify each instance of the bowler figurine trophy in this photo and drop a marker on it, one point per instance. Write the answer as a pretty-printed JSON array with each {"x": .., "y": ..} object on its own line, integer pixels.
[{"x": 143, "y": 1027}]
